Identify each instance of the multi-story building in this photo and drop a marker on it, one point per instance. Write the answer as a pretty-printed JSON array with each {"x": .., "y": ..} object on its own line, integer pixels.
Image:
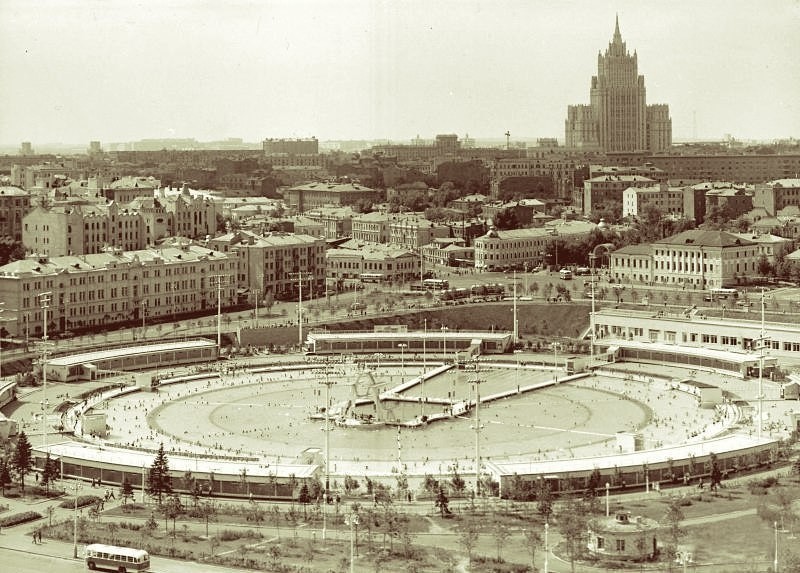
[
  {"x": 411, "y": 232},
  {"x": 673, "y": 202},
  {"x": 767, "y": 245},
  {"x": 346, "y": 263},
  {"x": 45, "y": 175},
  {"x": 776, "y": 195},
  {"x": 732, "y": 201},
  {"x": 15, "y": 203},
  {"x": 337, "y": 222},
  {"x": 276, "y": 262},
  {"x": 646, "y": 170},
  {"x": 315, "y": 195},
  {"x": 618, "y": 117},
  {"x": 633, "y": 263},
  {"x": 742, "y": 168},
  {"x": 85, "y": 229},
  {"x": 559, "y": 169},
  {"x": 498, "y": 250},
  {"x": 605, "y": 191},
  {"x": 372, "y": 227},
  {"x": 694, "y": 259},
  {"x": 113, "y": 287},
  {"x": 309, "y": 146}
]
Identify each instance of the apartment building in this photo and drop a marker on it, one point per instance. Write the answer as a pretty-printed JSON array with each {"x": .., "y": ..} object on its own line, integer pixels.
[
  {"x": 15, "y": 203},
  {"x": 499, "y": 250},
  {"x": 559, "y": 169},
  {"x": 413, "y": 231},
  {"x": 346, "y": 263},
  {"x": 606, "y": 191},
  {"x": 275, "y": 262},
  {"x": 670, "y": 201},
  {"x": 337, "y": 222},
  {"x": 44, "y": 175},
  {"x": 777, "y": 195},
  {"x": 315, "y": 195},
  {"x": 112, "y": 288}
]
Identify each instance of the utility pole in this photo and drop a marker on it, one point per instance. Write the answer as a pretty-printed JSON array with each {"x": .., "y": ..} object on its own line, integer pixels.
[
  {"x": 44, "y": 301},
  {"x": 218, "y": 281},
  {"x": 516, "y": 322},
  {"x": 508, "y": 140},
  {"x": 300, "y": 277},
  {"x": 258, "y": 293}
]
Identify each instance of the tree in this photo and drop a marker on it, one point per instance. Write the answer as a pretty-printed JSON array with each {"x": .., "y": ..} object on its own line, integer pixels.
[
  {"x": 442, "y": 502},
  {"x": 534, "y": 540},
  {"x": 572, "y": 523},
  {"x": 304, "y": 499},
  {"x": 159, "y": 481},
  {"x": 5, "y": 475},
  {"x": 126, "y": 491},
  {"x": 208, "y": 511},
  {"x": 469, "y": 536},
  {"x": 544, "y": 498},
  {"x": 172, "y": 509},
  {"x": 674, "y": 532},
  {"x": 716, "y": 472},
  {"x": 50, "y": 472},
  {"x": 501, "y": 533},
  {"x": 22, "y": 458}
]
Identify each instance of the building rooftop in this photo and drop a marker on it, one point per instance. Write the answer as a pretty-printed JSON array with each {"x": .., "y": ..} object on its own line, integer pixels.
[{"x": 702, "y": 238}]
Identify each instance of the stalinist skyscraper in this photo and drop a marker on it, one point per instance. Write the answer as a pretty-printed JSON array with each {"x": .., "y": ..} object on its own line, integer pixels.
[{"x": 618, "y": 117}]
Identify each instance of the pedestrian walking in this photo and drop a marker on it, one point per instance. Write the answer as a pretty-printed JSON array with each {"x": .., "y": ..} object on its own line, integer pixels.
[{"x": 33, "y": 535}]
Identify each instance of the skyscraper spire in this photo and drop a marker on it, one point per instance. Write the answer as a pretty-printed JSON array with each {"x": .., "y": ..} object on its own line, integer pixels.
[{"x": 617, "y": 35}]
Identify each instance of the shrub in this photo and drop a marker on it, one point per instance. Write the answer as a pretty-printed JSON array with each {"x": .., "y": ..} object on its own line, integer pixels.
[
  {"x": 17, "y": 518},
  {"x": 83, "y": 501},
  {"x": 234, "y": 534}
]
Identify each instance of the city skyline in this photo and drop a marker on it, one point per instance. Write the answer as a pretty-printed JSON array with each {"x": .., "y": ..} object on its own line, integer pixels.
[{"x": 113, "y": 72}]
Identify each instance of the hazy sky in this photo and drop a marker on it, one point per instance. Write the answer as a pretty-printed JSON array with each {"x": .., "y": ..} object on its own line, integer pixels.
[{"x": 111, "y": 70}]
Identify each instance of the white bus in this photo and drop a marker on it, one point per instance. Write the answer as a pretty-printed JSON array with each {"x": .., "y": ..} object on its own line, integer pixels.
[
  {"x": 120, "y": 559},
  {"x": 721, "y": 294},
  {"x": 371, "y": 277},
  {"x": 565, "y": 274},
  {"x": 435, "y": 284}
]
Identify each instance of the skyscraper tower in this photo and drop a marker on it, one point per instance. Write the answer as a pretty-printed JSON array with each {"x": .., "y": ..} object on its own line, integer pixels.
[{"x": 618, "y": 117}]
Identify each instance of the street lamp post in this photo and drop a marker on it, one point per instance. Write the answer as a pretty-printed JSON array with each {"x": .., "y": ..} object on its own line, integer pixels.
[
  {"x": 775, "y": 565},
  {"x": 608, "y": 485},
  {"x": 477, "y": 431},
  {"x": 258, "y": 293},
  {"x": 75, "y": 524},
  {"x": 218, "y": 281},
  {"x": 44, "y": 299},
  {"x": 546, "y": 546},
  {"x": 328, "y": 383},
  {"x": 300, "y": 277},
  {"x": 352, "y": 521},
  {"x": 402, "y": 348},
  {"x": 444, "y": 341},
  {"x": 2, "y": 305}
]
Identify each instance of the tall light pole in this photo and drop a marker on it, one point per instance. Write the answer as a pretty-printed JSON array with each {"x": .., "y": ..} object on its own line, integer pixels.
[
  {"x": 2, "y": 308},
  {"x": 218, "y": 281},
  {"x": 546, "y": 546},
  {"x": 592, "y": 258},
  {"x": 44, "y": 300},
  {"x": 444, "y": 341},
  {"x": 300, "y": 277},
  {"x": 75, "y": 523},
  {"x": 775, "y": 565},
  {"x": 516, "y": 323},
  {"x": 761, "y": 342},
  {"x": 477, "y": 382},
  {"x": 258, "y": 292},
  {"x": 328, "y": 383},
  {"x": 144, "y": 314},
  {"x": 352, "y": 521},
  {"x": 608, "y": 485},
  {"x": 402, "y": 347}
]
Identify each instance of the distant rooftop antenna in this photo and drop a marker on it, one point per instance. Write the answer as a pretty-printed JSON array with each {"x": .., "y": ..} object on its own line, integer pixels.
[{"x": 508, "y": 140}]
